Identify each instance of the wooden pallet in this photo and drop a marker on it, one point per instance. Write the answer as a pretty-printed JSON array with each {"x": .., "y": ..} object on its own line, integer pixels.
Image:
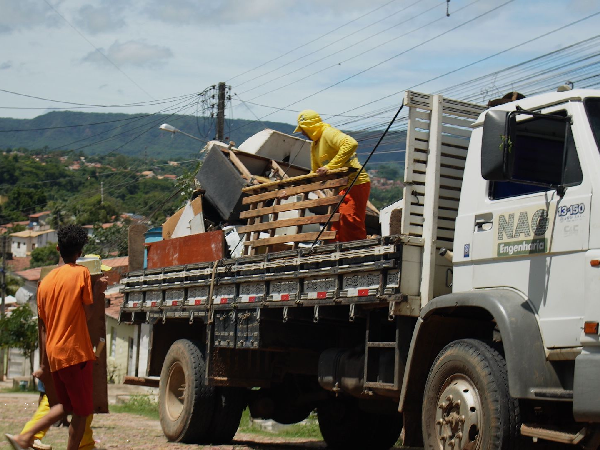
[{"x": 265, "y": 204}]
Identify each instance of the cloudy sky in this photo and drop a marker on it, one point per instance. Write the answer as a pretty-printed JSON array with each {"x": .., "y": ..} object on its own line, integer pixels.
[{"x": 328, "y": 55}]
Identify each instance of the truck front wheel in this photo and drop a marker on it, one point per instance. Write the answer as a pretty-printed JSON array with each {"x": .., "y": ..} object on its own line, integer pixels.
[
  {"x": 466, "y": 402},
  {"x": 186, "y": 404}
]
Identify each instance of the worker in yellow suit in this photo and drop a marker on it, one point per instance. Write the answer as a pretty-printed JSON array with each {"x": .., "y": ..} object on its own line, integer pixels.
[
  {"x": 87, "y": 441},
  {"x": 332, "y": 149}
]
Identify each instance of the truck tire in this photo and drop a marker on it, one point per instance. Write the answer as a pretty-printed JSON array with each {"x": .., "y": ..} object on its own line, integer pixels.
[
  {"x": 186, "y": 404},
  {"x": 230, "y": 403},
  {"x": 466, "y": 403},
  {"x": 345, "y": 426}
]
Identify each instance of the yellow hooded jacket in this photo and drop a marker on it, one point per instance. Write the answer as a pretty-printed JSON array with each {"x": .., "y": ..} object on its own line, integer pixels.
[{"x": 330, "y": 147}]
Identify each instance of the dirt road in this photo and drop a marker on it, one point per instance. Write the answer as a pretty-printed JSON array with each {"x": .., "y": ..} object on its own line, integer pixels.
[{"x": 129, "y": 431}]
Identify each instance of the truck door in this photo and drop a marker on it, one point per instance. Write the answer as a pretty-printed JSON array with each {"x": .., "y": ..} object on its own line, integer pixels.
[{"x": 528, "y": 238}]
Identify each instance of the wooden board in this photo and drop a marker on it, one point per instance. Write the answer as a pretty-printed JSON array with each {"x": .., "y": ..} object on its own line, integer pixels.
[
  {"x": 303, "y": 237},
  {"x": 293, "y": 190},
  {"x": 282, "y": 184},
  {"x": 296, "y": 221},
  {"x": 291, "y": 206}
]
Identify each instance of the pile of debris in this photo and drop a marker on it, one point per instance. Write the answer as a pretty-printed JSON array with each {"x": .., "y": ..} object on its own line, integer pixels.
[{"x": 260, "y": 197}]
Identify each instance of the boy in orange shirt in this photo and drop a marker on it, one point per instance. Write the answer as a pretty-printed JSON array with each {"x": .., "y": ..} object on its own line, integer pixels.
[{"x": 64, "y": 305}]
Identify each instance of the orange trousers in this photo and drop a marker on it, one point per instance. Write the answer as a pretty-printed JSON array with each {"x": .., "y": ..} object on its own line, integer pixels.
[{"x": 351, "y": 226}]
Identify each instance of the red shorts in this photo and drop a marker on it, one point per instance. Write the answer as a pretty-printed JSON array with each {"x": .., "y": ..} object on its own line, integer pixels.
[{"x": 73, "y": 386}]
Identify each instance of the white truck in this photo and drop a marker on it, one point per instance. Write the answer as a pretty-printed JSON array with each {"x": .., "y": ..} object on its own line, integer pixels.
[{"x": 471, "y": 324}]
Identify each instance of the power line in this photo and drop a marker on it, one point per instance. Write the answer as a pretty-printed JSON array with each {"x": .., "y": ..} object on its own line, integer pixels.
[
  {"x": 353, "y": 33},
  {"x": 310, "y": 42},
  {"x": 399, "y": 54}
]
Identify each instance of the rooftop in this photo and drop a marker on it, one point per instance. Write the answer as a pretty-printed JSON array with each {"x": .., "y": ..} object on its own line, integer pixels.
[{"x": 30, "y": 233}]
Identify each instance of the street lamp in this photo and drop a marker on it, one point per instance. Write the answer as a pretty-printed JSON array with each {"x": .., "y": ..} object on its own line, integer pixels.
[{"x": 172, "y": 129}]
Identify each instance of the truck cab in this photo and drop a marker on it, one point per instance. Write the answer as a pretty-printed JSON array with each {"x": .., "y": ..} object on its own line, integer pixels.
[{"x": 526, "y": 251}]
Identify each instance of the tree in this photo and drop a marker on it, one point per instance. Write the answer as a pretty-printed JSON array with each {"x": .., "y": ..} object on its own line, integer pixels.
[
  {"x": 44, "y": 256},
  {"x": 20, "y": 330},
  {"x": 13, "y": 284},
  {"x": 390, "y": 171},
  {"x": 58, "y": 214},
  {"x": 108, "y": 241}
]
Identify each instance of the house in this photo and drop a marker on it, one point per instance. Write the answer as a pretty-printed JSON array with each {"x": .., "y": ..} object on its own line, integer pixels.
[
  {"x": 24, "y": 242},
  {"x": 38, "y": 219},
  {"x": 128, "y": 346}
]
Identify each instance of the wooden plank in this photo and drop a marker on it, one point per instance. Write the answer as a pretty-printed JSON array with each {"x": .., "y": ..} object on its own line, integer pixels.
[
  {"x": 277, "y": 168},
  {"x": 444, "y": 182},
  {"x": 291, "y": 206},
  {"x": 422, "y": 136},
  {"x": 457, "y": 121},
  {"x": 420, "y": 145},
  {"x": 414, "y": 100},
  {"x": 442, "y": 213},
  {"x": 328, "y": 184},
  {"x": 443, "y": 223},
  {"x": 457, "y": 131},
  {"x": 457, "y": 142},
  {"x": 423, "y": 116},
  {"x": 417, "y": 230},
  {"x": 453, "y": 162},
  {"x": 279, "y": 184},
  {"x": 460, "y": 108},
  {"x": 303, "y": 237},
  {"x": 294, "y": 221},
  {"x": 459, "y": 152},
  {"x": 446, "y": 171},
  {"x": 239, "y": 165},
  {"x": 444, "y": 193}
]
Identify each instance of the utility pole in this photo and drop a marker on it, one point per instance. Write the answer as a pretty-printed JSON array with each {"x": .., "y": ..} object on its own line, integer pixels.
[
  {"x": 2, "y": 305},
  {"x": 3, "y": 285},
  {"x": 102, "y": 192},
  {"x": 221, "y": 112}
]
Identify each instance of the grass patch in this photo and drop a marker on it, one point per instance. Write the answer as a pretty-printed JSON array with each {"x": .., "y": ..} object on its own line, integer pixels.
[
  {"x": 13, "y": 390},
  {"x": 308, "y": 429},
  {"x": 142, "y": 405}
]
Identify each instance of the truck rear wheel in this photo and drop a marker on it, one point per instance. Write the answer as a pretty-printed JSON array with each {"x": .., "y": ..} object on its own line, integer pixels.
[
  {"x": 344, "y": 425},
  {"x": 466, "y": 402},
  {"x": 186, "y": 404},
  {"x": 230, "y": 403}
]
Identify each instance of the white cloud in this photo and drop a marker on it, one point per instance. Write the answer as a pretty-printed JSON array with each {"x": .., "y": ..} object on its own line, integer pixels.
[
  {"x": 228, "y": 12},
  {"x": 131, "y": 53},
  {"x": 25, "y": 14},
  {"x": 99, "y": 19}
]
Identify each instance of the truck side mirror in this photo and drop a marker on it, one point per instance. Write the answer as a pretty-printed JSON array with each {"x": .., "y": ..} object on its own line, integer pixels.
[
  {"x": 535, "y": 151},
  {"x": 496, "y": 145}
]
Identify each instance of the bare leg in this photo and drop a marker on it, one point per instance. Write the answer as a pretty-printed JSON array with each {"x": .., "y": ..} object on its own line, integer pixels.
[
  {"x": 26, "y": 439},
  {"x": 76, "y": 430}
]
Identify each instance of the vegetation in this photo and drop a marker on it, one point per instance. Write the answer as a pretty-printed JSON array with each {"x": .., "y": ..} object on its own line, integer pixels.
[
  {"x": 385, "y": 197},
  {"x": 12, "y": 283},
  {"x": 143, "y": 405},
  {"x": 111, "y": 241},
  {"x": 19, "y": 330},
  {"x": 90, "y": 195},
  {"x": 308, "y": 429},
  {"x": 44, "y": 256}
]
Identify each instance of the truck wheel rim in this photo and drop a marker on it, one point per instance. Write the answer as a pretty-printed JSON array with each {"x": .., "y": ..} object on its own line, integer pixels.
[
  {"x": 175, "y": 391},
  {"x": 458, "y": 414}
]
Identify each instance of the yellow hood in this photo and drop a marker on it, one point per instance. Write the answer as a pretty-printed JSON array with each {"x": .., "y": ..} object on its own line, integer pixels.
[{"x": 310, "y": 122}]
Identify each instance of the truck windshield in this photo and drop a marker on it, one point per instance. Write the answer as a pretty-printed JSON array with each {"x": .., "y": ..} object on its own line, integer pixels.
[{"x": 592, "y": 107}]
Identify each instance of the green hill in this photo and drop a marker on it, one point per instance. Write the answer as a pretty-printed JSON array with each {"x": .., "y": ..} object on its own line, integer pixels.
[{"x": 138, "y": 134}]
